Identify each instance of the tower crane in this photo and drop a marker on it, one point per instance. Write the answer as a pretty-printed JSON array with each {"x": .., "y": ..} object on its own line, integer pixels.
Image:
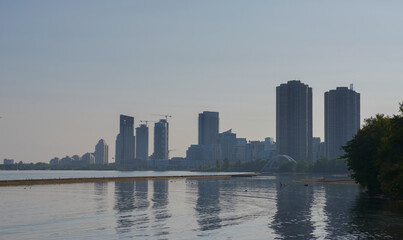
[
  {"x": 163, "y": 115},
  {"x": 146, "y": 121}
]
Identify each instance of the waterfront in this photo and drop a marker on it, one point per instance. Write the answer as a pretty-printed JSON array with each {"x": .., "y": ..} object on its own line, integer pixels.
[
  {"x": 217, "y": 208},
  {"x": 57, "y": 174}
]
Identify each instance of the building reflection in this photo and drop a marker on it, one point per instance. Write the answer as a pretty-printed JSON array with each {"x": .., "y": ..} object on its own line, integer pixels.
[
  {"x": 319, "y": 216},
  {"x": 208, "y": 204},
  {"x": 100, "y": 192},
  {"x": 160, "y": 207},
  {"x": 375, "y": 218},
  {"x": 124, "y": 197},
  {"x": 131, "y": 207},
  {"x": 339, "y": 199},
  {"x": 292, "y": 219}
]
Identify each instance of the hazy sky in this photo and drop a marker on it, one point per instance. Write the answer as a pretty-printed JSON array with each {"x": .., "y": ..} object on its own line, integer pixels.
[{"x": 69, "y": 68}]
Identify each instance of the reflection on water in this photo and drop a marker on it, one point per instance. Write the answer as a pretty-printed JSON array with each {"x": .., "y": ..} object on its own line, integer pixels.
[
  {"x": 381, "y": 216},
  {"x": 319, "y": 216},
  {"x": 100, "y": 192},
  {"x": 264, "y": 207},
  {"x": 131, "y": 207},
  {"x": 124, "y": 192},
  {"x": 208, "y": 205},
  {"x": 293, "y": 210},
  {"x": 159, "y": 208}
]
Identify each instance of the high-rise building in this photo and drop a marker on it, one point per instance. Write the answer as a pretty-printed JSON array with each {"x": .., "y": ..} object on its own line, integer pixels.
[
  {"x": 161, "y": 133},
  {"x": 294, "y": 120},
  {"x": 142, "y": 142},
  {"x": 228, "y": 143},
  {"x": 88, "y": 158},
  {"x": 208, "y": 128},
  {"x": 342, "y": 119},
  {"x": 101, "y": 152},
  {"x": 125, "y": 141}
]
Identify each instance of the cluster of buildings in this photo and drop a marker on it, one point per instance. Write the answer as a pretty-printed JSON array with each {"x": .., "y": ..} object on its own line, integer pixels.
[
  {"x": 132, "y": 150},
  {"x": 213, "y": 147},
  {"x": 100, "y": 156},
  {"x": 294, "y": 135},
  {"x": 294, "y": 121}
]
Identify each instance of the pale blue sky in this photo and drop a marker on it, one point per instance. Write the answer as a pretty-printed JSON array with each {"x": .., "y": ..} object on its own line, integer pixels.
[{"x": 69, "y": 68}]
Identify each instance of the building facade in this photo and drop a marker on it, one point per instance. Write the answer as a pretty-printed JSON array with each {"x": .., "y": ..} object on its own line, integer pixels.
[
  {"x": 228, "y": 143},
  {"x": 125, "y": 142},
  {"x": 8, "y": 161},
  {"x": 161, "y": 134},
  {"x": 342, "y": 119},
  {"x": 294, "y": 120},
  {"x": 142, "y": 142},
  {"x": 88, "y": 159},
  {"x": 208, "y": 128},
  {"x": 101, "y": 152}
]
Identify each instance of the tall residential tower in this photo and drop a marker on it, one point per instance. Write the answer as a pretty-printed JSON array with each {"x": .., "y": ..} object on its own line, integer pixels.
[
  {"x": 124, "y": 154},
  {"x": 208, "y": 128},
  {"x": 294, "y": 120},
  {"x": 161, "y": 133},
  {"x": 342, "y": 119},
  {"x": 142, "y": 142},
  {"x": 101, "y": 152}
]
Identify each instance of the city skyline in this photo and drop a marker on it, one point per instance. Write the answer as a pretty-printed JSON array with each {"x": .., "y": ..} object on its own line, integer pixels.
[{"x": 69, "y": 69}]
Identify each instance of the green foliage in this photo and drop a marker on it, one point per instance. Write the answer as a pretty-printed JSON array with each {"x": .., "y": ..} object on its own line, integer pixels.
[
  {"x": 302, "y": 166},
  {"x": 324, "y": 165},
  {"x": 226, "y": 164},
  {"x": 375, "y": 155},
  {"x": 287, "y": 167},
  {"x": 362, "y": 152},
  {"x": 218, "y": 164},
  {"x": 391, "y": 158}
]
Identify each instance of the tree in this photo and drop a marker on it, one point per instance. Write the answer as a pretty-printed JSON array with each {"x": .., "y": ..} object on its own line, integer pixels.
[
  {"x": 287, "y": 166},
  {"x": 302, "y": 165},
  {"x": 226, "y": 164},
  {"x": 218, "y": 164},
  {"x": 391, "y": 158},
  {"x": 375, "y": 155},
  {"x": 362, "y": 152}
]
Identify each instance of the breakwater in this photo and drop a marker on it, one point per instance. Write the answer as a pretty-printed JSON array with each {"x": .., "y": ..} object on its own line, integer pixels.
[{"x": 107, "y": 179}]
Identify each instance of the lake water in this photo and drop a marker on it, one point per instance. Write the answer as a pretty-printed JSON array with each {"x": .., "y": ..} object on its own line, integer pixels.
[{"x": 218, "y": 208}]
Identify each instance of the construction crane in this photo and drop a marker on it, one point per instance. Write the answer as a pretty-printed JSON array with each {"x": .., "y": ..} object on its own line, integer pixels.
[
  {"x": 163, "y": 115},
  {"x": 146, "y": 121}
]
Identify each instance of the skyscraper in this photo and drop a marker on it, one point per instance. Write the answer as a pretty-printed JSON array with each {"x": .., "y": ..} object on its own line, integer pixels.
[
  {"x": 342, "y": 119},
  {"x": 101, "y": 152},
  {"x": 228, "y": 143},
  {"x": 142, "y": 142},
  {"x": 208, "y": 128},
  {"x": 294, "y": 120},
  {"x": 125, "y": 141},
  {"x": 161, "y": 132}
]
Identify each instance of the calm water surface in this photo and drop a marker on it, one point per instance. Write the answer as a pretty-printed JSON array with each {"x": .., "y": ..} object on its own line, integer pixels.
[{"x": 222, "y": 208}]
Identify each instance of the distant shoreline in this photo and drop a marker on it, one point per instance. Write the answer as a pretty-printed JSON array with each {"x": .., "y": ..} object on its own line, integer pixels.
[
  {"x": 108, "y": 179},
  {"x": 324, "y": 180}
]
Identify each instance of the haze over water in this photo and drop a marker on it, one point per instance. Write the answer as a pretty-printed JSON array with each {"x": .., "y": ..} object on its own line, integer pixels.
[{"x": 220, "y": 208}]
